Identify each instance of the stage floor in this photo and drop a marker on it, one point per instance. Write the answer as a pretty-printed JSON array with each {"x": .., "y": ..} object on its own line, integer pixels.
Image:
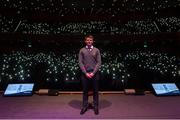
[{"x": 112, "y": 106}]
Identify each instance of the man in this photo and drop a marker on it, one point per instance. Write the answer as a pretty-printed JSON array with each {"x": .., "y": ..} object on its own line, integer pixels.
[{"x": 89, "y": 62}]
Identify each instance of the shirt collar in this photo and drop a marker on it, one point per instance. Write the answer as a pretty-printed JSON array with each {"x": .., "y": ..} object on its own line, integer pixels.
[{"x": 90, "y": 47}]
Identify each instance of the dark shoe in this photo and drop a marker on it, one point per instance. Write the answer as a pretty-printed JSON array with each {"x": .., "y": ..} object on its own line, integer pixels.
[
  {"x": 96, "y": 110},
  {"x": 83, "y": 110}
]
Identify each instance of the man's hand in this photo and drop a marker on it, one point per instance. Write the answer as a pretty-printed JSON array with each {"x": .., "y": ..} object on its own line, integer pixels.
[{"x": 89, "y": 75}]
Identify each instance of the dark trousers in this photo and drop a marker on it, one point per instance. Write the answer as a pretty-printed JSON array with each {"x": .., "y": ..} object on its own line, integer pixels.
[{"x": 90, "y": 84}]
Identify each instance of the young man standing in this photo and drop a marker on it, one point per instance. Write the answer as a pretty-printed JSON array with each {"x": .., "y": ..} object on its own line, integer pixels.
[{"x": 90, "y": 62}]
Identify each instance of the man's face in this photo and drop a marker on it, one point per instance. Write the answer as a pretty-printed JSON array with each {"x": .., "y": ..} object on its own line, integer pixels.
[{"x": 89, "y": 41}]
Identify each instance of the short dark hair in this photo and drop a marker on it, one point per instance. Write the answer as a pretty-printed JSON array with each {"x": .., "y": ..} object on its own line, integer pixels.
[{"x": 88, "y": 36}]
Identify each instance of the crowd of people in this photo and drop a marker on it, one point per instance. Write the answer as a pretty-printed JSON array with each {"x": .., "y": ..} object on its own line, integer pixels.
[
  {"x": 150, "y": 26},
  {"x": 24, "y": 66}
]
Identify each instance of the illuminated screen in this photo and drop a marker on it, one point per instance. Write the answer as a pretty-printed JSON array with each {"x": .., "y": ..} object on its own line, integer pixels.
[
  {"x": 20, "y": 89},
  {"x": 165, "y": 89}
]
